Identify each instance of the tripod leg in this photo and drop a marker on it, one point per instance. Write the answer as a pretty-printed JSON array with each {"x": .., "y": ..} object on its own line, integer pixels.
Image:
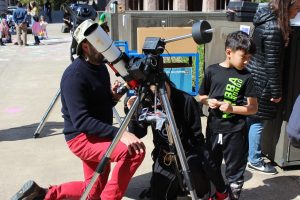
[
  {"x": 112, "y": 146},
  {"x": 46, "y": 115},
  {"x": 177, "y": 142},
  {"x": 117, "y": 116}
]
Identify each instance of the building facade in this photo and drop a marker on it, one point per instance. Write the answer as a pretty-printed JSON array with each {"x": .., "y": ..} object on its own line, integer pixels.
[{"x": 177, "y": 5}]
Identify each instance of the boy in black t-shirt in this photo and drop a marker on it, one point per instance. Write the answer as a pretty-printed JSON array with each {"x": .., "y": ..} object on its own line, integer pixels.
[{"x": 224, "y": 89}]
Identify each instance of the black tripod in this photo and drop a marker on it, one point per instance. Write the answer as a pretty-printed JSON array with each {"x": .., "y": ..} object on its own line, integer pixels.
[{"x": 162, "y": 93}]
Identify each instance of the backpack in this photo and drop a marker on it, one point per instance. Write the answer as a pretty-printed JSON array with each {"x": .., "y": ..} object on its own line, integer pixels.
[
  {"x": 293, "y": 127},
  {"x": 165, "y": 183}
]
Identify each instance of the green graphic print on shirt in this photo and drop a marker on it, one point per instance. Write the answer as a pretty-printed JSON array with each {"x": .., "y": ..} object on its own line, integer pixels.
[{"x": 232, "y": 90}]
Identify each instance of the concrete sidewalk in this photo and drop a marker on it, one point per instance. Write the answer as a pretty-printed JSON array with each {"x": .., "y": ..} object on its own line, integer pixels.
[{"x": 30, "y": 78}]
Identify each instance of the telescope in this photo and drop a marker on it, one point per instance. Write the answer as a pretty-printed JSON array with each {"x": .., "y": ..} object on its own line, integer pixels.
[{"x": 138, "y": 70}]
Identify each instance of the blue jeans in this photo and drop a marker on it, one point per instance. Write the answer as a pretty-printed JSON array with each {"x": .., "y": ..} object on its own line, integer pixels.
[{"x": 255, "y": 128}]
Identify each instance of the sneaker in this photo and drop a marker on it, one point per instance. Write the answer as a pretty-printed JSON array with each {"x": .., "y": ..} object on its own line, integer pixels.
[
  {"x": 30, "y": 191},
  {"x": 266, "y": 168},
  {"x": 235, "y": 190}
]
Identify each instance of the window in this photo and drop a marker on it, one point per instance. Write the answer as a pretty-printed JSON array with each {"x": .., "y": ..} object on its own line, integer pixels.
[{"x": 135, "y": 5}]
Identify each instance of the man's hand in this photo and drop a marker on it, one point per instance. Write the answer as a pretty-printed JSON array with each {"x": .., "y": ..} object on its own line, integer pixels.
[
  {"x": 133, "y": 143},
  {"x": 275, "y": 100},
  {"x": 131, "y": 101},
  {"x": 114, "y": 89}
]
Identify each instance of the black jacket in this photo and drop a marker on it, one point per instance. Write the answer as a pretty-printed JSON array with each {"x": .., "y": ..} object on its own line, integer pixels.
[
  {"x": 187, "y": 117},
  {"x": 265, "y": 64}
]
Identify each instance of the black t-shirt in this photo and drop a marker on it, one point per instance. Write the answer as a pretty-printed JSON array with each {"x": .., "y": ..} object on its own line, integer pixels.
[{"x": 229, "y": 85}]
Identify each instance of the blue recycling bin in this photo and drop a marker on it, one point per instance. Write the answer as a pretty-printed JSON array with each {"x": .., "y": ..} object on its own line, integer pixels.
[{"x": 182, "y": 77}]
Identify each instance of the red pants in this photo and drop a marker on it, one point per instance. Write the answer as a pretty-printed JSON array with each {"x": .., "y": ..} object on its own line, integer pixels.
[{"x": 90, "y": 149}]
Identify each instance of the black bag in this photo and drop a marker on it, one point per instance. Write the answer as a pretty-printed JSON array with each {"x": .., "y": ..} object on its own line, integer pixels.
[{"x": 164, "y": 183}]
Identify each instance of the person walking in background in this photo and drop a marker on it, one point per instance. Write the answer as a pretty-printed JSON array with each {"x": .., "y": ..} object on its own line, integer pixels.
[
  {"x": 4, "y": 32},
  {"x": 34, "y": 10},
  {"x": 224, "y": 88},
  {"x": 36, "y": 30},
  {"x": 48, "y": 10},
  {"x": 43, "y": 23},
  {"x": 67, "y": 20},
  {"x": 19, "y": 17},
  {"x": 271, "y": 35}
]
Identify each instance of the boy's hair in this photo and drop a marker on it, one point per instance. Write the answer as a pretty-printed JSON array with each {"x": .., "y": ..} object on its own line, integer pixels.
[{"x": 240, "y": 40}]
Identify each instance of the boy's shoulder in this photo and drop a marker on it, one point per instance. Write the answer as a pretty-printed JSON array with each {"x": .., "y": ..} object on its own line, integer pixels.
[
  {"x": 212, "y": 67},
  {"x": 246, "y": 72}
]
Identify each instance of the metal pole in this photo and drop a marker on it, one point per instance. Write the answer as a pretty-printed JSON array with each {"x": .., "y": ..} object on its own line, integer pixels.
[
  {"x": 177, "y": 141},
  {"x": 117, "y": 116},
  {"x": 105, "y": 159},
  {"x": 186, "y": 36},
  {"x": 46, "y": 115}
]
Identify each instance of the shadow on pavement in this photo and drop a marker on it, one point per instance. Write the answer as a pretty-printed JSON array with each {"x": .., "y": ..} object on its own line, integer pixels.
[
  {"x": 270, "y": 189},
  {"x": 26, "y": 132}
]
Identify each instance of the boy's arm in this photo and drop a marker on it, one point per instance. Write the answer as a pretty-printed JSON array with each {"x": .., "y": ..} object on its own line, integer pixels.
[
  {"x": 203, "y": 99},
  {"x": 249, "y": 109},
  {"x": 212, "y": 103}
]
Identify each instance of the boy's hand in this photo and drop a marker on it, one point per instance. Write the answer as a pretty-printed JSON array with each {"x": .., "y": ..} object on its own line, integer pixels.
[
  {"x": 226, "y": 107},
  {"x": 213, "y": 103}
]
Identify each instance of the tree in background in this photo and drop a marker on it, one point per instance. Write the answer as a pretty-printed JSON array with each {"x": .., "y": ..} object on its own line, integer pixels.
[{"x": 55, "y": 3}]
